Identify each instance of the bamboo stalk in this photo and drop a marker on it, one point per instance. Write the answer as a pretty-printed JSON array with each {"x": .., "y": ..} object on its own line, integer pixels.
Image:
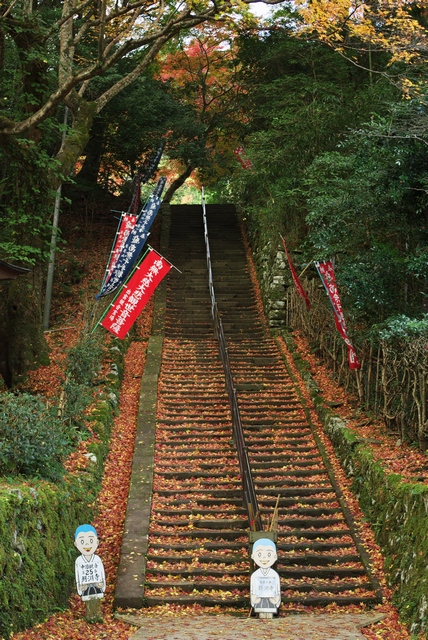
[
  {"x": 274, "y": 521},
  {"x": 369, "y": 377}
]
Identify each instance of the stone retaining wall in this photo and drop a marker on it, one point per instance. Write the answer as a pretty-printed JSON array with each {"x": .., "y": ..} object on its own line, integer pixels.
[
  {"x": 272, "y": 275},
  {"x": 38, "y": 519},
  {"x": 397, "y": 511}
]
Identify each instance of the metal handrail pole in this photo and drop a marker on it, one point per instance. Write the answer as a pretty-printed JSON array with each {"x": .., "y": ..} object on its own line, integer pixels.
[{"x": 249, "y": 493}]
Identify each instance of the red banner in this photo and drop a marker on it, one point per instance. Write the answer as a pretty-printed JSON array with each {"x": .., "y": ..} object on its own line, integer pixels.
[
  {"x": 135, "y": 294},
  {"x": 242, "y": 158},
  {"x": 127, "y": 223},
  {"x": 327, "y": 275},
  {"x": 300, "y": 290}
]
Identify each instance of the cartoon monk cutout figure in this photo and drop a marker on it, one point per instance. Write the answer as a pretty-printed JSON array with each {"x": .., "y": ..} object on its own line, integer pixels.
[
  {"x": 265, "y": 590},
  {"x": 89, "y": 571}
]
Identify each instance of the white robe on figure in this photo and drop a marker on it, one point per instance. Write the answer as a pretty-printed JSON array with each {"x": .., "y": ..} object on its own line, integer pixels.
[
  {"x": 88, "y": 574},
  {"x": 265, "y": 584}
]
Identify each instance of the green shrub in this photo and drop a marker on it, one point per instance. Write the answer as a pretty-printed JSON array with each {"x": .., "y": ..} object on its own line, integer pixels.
[
  {"x": 402, "y": 328},
  {"x": 33, "y": 441},
  {"x": 84, "y": 359},
  {"x": 83, "y": 364}
]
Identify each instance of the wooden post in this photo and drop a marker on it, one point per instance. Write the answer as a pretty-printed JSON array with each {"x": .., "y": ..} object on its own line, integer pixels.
[
  {"x": 274, "y": 521},
  {"x": 93, "y": 611}
]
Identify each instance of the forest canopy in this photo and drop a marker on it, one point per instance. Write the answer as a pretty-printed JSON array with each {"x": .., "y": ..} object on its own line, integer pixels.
[
  {"x": 62, "y": 66},
  {"x": 337, "y": 133},
  {"x": 329, "y": 99}
]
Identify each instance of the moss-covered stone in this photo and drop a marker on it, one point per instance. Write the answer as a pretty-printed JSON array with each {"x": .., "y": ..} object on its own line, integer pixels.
[
  {"x": 36, "y": 546},
  {"x": 37, "y": 524},
  {"x": 397, "y": 511}
]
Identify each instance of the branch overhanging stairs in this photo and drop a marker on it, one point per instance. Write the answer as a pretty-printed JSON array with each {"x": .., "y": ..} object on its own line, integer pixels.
[{"x": 198, "y": 537}]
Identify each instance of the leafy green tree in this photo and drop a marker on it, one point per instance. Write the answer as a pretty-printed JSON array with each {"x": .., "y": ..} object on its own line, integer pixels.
[
  {"x": 53, "y": 54},
  {"x": 129, "y": 128},
  {"x": 360, "y": 29},
  {"x": 202, "y": 75},
  {"x": 367, "y": 207},
  {"x": 339, "y": 167},
  {"x": 300, "y": 98}
]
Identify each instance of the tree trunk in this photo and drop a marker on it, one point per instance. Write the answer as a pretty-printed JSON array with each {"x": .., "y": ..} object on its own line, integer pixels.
[
  {"x": 22, "y": 343},
  {"x": 177, "y": 183},
  {"x": 82, "y": 114},
  {"x": 88, "y": 174}
]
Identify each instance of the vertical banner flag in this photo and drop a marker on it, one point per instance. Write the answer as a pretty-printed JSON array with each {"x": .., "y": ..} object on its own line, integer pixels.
[
  {"x": 300, "y": 290},
  {"x": 127, "y": 223},
  {"x": 326, "y": 273},
  {"x": 157, "y": 192},
  {"x": 152, "y": 163},
  {"x": 135, "y": 294},
  {"x": 134, "y": 242},
  {"x": 242, "y": 158}
]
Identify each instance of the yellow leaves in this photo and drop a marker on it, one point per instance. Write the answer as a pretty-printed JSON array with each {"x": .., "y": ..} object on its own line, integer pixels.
[
  {"x": 324, "y": 17},
  {"x": 409, "y": 88},
  {"x": 387, "y": 26}
]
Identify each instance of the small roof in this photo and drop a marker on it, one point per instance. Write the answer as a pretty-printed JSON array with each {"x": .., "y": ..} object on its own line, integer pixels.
[{"x": 10, "y": 271}]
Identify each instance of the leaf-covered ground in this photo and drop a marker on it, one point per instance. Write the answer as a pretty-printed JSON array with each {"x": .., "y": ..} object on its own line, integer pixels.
[
  {"x": 396, "y": 456},
  {"x": 70, "y": 309}
]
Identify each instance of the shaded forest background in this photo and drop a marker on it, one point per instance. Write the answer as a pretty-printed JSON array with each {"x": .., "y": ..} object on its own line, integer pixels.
[{"x": 332, "y": 111}]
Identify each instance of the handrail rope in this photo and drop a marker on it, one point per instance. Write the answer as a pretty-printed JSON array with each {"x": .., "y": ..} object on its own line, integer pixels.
[{"x": 249, "y": 491}]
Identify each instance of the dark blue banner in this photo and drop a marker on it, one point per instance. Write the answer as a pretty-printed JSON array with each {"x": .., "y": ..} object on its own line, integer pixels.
[
  {"x": 134, "y": 242},
  {"x": 152, "y": 163}
]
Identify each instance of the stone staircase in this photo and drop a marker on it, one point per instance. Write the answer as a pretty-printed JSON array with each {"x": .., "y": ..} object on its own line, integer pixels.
[{"x": 198, "y": 538}]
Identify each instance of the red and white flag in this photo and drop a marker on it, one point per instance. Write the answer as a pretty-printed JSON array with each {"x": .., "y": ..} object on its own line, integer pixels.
[
  {"x": 327, "y": 275},
  {"x": 300, "y": 290},
  {"x": 127, "y": 223},
  {"x": 135, "y": 294}
]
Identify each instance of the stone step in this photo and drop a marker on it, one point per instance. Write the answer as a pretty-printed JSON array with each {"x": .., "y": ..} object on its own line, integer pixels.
[{"x": 199, "y": 527}]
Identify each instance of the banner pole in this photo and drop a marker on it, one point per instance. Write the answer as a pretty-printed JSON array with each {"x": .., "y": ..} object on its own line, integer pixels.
[
  {"x": 121, "y": 288},
  {"x": 86, "y": 327},
  {"x": 106, "y": 310},
  {"x": 307, "y": 267},
  {"x": 166, "y": 260}
]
